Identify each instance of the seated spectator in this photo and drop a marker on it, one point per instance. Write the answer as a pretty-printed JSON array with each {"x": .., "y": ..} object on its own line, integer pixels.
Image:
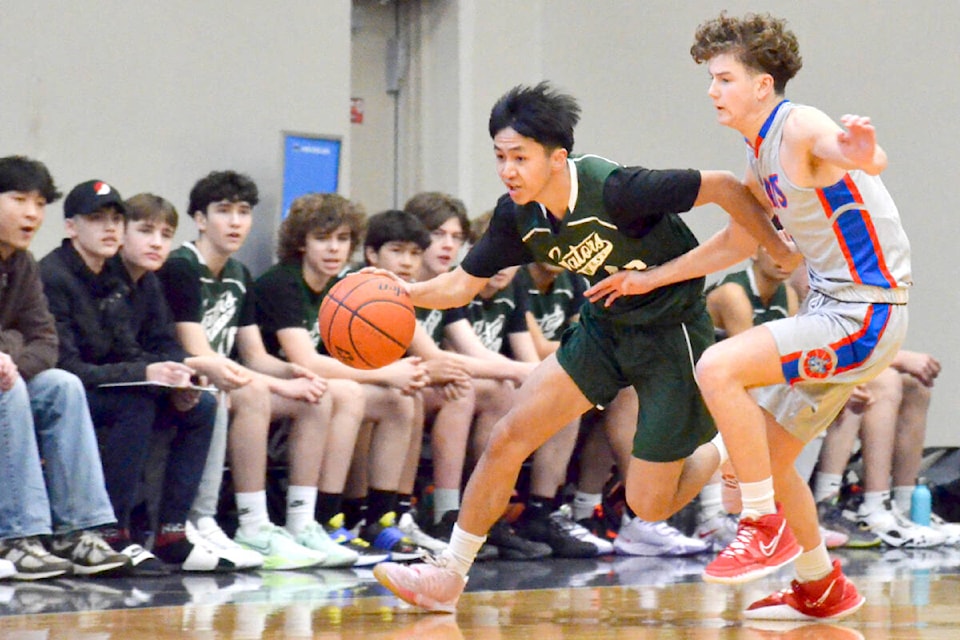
[
  {"x": 212, "y": 298},
  {"x": 114, "y": 327},
  {"x": 44, "y": 411},
  {"x": 316, "y": 239},
  {"x": 889, "y": 415}
]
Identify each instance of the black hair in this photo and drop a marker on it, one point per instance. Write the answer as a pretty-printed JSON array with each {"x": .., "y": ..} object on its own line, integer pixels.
[
  {"x": 19, "y": 173},
  {"x": 541, "y": 113},
  {"x": 217, "y": 186},
  {"x": 394, "y": 225}
]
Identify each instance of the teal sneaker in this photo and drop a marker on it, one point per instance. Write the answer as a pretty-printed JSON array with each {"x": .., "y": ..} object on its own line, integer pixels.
[
  {"x": 278, "y": 548},
  {"x": 314, "y": 537}
]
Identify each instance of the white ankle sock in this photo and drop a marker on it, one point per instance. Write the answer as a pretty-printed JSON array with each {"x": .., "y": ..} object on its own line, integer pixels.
[
  {"x": 444, "y": 500},
  {"x": 462, "y": 550},
  {"x": 301, "y": 505},
  {"x": 252, "y": 511},
  {"x": 814, "y": 564},
  {"x": 711, "y": 501},
  {"x": 902, "y": 497},
  {"x": 583, "y": 504},
  {"x": 873, "y": 501},
  {"x": 757, "y": 498},
  {"x": 826, "y": 485}
]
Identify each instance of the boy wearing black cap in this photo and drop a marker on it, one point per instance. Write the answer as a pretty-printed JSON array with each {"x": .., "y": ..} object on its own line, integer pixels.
[
  {"x": 43, "y": 411},
  {"x": 91, "y": 301}
]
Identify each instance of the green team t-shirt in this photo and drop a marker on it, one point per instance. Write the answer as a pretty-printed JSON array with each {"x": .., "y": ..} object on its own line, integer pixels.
[
  {"x": 434, "y": 321},
  {"x": 284, "y": 301},
  {"x": 555, "y": 308},
  {"x": 495, "y": 318},
  {"x": 220, "y": 304},
  {"x": 618, "y": 218}
]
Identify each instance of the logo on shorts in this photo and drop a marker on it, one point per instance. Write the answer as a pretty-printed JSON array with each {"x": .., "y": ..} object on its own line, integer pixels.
[{"x": 818, "y": 364}]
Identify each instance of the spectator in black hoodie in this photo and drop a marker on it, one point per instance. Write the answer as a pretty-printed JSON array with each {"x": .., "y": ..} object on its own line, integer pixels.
[{"x": 114, "y": 327}]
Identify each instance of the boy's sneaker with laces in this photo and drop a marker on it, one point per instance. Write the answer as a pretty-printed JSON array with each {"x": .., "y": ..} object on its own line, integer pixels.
[
  {"x": 408, "y": 525},
  {"x": 429, "y": 585},
  {"x": 949, "y": 529},
  {"x": 90, "y": 553},
  {"x": 181, "y": 545},
  {"x": 565, "y": 514},
  {"x": 897, "y": 531},
  {"x": 832, "y": 517},
  {"x": 602, "y": 524},
  {"x": 641, "y": 538},
  {"x": 384, "y": 534},
  {"x": 218, "y": 541},
  {"x": 279, "y": 550},
  {"x": 28, "y": 559},
  {"x": 829, "y": 598},
  {"x": 761, "y": 547},
  {"x": 366, "y": 555},
  {"x": 717, "y": 530},
  {"x": 314, "y": 537},
  {"x": 142, "y": 562},
  {"x": 560, "y": 533},
  {"x": 511, "y": 546}
]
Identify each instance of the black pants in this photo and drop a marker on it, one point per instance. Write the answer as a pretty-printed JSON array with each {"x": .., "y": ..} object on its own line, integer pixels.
[{"x": 124, "y": 419}]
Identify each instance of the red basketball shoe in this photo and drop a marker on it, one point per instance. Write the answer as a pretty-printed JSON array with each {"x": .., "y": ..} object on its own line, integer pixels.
[
  {"x": 760, "y": 547},
  {"x": 825, "y": 599}
]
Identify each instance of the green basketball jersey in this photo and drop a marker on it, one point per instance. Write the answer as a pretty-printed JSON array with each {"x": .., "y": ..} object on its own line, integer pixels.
[{"x": 621, "y": 218}]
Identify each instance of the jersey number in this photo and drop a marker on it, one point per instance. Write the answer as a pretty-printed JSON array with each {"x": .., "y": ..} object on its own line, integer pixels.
[{"x": 774, "y": 194}]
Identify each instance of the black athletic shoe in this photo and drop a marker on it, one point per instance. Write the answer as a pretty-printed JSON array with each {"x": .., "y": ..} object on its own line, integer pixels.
[
  {"x": 557, "y": 532},
  {"x": 511, "y": 546}
]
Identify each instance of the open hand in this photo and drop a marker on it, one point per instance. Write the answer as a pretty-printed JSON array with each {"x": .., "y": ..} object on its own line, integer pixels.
[{"x": 623, "y": 283}]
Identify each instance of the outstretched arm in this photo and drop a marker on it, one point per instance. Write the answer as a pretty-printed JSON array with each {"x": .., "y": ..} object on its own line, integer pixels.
[
  {"x": 724, "y": 189},
  {"x": 726, "y": 248},
  {"x": 445, "y": 291}
]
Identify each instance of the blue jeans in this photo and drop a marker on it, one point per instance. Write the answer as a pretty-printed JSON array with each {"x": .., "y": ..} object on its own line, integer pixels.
[{"x": 47, "y": 418}]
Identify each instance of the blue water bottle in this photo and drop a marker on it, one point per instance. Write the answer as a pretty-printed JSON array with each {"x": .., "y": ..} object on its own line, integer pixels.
[{"x": 920, "y": 503}]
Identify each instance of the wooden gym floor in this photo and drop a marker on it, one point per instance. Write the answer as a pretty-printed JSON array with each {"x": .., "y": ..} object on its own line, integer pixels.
[{"x": 910, "y": 594}]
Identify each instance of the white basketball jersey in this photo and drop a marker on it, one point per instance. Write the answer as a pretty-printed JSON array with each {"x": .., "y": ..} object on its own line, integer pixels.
[{"x": 849, "y": 233}]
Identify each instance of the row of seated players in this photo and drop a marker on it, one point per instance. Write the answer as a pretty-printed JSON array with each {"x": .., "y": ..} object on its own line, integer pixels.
[{"x": 354, "y": 436}]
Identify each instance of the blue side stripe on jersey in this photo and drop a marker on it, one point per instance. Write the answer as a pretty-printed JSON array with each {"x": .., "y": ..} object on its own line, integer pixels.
[{"x": 859, "y": 243}]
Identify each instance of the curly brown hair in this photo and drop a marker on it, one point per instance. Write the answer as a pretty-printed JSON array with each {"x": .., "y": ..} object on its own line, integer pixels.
[
  {"x": 318, "y": 213},
  {"x": 759, "y": 41}
]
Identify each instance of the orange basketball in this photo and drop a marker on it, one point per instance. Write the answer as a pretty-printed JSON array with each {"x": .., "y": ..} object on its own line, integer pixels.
[{"x": 367, "y": 320}]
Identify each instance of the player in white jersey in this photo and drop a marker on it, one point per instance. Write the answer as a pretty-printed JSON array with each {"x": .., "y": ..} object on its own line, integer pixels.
[{"x": 821, "y": 181}]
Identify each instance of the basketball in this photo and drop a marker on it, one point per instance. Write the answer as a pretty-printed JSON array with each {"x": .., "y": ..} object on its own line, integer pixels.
[{"x": 367, "y": 321}]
